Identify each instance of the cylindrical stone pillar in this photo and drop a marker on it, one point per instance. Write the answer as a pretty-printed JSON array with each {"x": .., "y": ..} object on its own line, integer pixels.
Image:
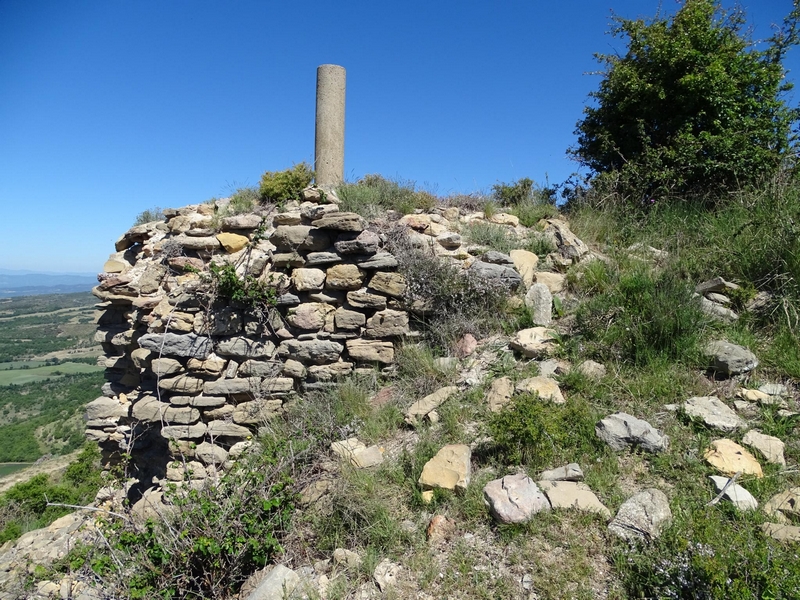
[{"x": 329, "y": 142}]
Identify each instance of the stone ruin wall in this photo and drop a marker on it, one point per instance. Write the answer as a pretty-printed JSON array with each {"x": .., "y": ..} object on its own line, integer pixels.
[{"x": 191, "y": 377}]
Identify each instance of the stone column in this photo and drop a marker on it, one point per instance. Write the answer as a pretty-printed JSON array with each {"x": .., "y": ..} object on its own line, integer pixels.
[{"x": 329, "y": 142}]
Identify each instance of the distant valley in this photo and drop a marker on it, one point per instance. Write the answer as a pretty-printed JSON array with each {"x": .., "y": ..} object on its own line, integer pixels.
[
  {"x": 23, "y": 283},
  {"x": 48, "y": 372}
]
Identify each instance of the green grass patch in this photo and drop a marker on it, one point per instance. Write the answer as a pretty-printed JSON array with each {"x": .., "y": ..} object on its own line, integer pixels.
[
  {"x": 541, "y": 435},
  {"x": 44, "y": 373},
  {"x": 374, "y": 194},
  {"x": 22, "y": 364},
  {"x": 641, "y": 317},
  {"x": 9, "y": 468},
  {"x": 531, "y": 212}
]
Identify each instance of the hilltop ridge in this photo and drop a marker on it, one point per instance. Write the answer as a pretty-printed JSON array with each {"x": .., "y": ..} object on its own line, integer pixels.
[{"x": 480, "y": 404}]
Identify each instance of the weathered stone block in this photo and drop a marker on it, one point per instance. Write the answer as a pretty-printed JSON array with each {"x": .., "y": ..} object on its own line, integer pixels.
[
  {"x": 256, "y": 411},
  {"x": 344, "y": 277},
  {"x": 184, "y": 432},
  {"x": 242, "y": 347},
  {"x": 363, "y": 299},
  {"x": 341, "y": 221},
  {"x": 387, "y": 323},
  {"x": 222, "y": 387},
  {"x": 330, "y": 372},
  {"x": 308, "y": 280},
  {"x": 182, "y": 384},
  {"x": 181, "y": 345},
  {"x": 310, "y": 315},
  {"x": 316, "y": 352},
  {"x": 223, "y": 429},
  {"x": 370, "y": 351},
  {"x": 391, "y": 284},
  {"x": 450, "y": 469},
  {"x": 349, "y": 319},
  {"x": 162, "y": 367},
  {"x": 259, "y": 368}
]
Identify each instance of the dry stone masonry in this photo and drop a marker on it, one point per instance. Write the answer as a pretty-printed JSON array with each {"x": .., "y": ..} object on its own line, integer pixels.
[{"x": 191, "y": 373}]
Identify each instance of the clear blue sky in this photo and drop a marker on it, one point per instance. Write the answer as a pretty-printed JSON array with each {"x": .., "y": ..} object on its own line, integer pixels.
[{"x": 110, "y": 107}]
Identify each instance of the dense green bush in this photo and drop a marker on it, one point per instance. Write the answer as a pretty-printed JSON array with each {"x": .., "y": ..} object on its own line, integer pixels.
[
  {"x": 282, "y": 186},
  {"x": 508, "y": 194},
  {"x": 690, "y": 107},
  {"x": 24, "y": 506}
]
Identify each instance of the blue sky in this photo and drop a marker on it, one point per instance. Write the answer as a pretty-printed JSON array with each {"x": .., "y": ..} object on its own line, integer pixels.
[{"x": 111, "y": 107}]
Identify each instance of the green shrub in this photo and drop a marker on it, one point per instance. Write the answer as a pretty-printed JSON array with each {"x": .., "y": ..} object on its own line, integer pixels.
[
  {"x": 524, "y": 191},
  {"x": 282, "y": 186},
  {"x": 334, "y": 413},
  {"x": 710, "y": 553},
  {"x": 531, "y": 212},
  {"x": 216, "y": 537},
  {"x": 361, "y": 516},
  {"x": 691, "y": 107},
  {"x": 417, "y": 370},
  {"x": 591, "y": 279},
  {"x": 508, "y": 194},
  {"x": 540, "y": 244},
  {"x": 243, "y": 200},
  {"x": 375, "y": 194},
  {"x": 149, "y": 215},
  {"x": 540, "y": 434},
  {"x": 246, "y": 290}
]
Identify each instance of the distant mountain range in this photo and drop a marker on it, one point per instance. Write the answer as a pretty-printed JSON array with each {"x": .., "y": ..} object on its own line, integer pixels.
[{"x": 30, "y": 283}]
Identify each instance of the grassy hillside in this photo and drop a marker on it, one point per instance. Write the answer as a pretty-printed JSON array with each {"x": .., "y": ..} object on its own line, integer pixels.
[{"x": 629, "y": 304}]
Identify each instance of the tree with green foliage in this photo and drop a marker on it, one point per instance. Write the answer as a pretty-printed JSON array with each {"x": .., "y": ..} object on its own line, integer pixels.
[{"x": 692, "y": 107}]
